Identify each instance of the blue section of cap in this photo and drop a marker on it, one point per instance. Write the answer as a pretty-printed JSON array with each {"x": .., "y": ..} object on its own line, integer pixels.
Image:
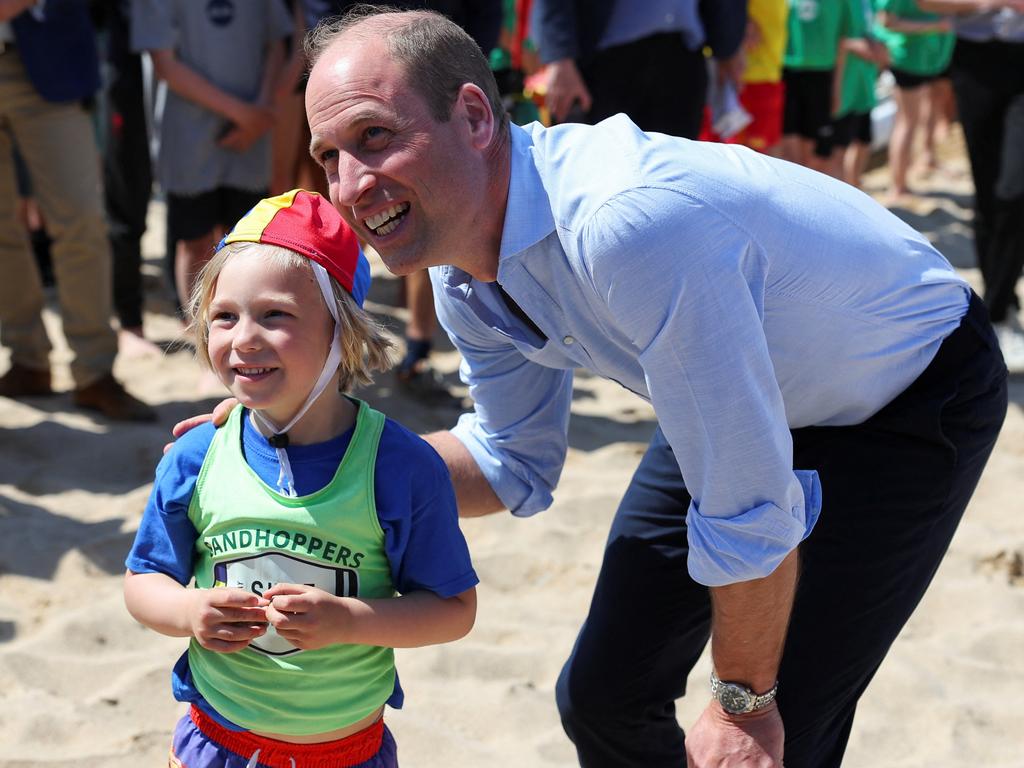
[{"x": 361, "y": 279}]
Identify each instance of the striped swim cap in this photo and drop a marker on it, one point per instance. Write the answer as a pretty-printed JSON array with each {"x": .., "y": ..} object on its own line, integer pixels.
[{"x": 308, "y": 224}]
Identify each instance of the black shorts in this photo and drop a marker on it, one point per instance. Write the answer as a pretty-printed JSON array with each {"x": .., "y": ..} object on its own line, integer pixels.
[
  {"x": 808, "y": 108},
  {"x": 908, "y": 80},
  {"x": 853, "y": 127},
  {"x": 193, "y": 216}
]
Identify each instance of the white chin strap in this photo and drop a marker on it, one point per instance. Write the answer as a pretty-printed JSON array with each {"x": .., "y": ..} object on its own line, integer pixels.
[{"x": 279, "y": 437}]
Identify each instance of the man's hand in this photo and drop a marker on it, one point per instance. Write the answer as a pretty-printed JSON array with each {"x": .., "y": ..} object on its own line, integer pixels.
[
  {"x": 308, "y": 617},
  {"x": 732, "y": 68},
  {"x": 226, "y": 619},
  {"x": 564, "y": 88},
  {"x": 219, "y": 416},
  {"x": 721, "y": 740}
]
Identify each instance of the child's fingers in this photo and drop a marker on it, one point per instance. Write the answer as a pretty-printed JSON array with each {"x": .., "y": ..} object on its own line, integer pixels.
[
  {"x": 288, "y": 613},
  {"x": 228, "y": 637},
  {"x": 284, "y": 588},
  {"x": 233, "y": 597},
  {"x": 246, "y": 615}
]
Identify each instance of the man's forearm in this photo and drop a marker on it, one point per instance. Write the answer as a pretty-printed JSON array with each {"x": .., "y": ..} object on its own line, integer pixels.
[
  {"x": 748, "y": 626},
  {"x": 473, "y": 493}
]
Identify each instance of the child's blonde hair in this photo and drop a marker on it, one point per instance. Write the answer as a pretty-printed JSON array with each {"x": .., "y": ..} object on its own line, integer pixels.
[{"x": 364, "y": 346}]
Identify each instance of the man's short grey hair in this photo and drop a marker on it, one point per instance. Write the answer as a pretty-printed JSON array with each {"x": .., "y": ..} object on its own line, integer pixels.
[{"x": 438, "y": 56}]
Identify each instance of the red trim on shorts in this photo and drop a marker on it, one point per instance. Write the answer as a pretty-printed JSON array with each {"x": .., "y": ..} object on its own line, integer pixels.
[
  {"x": 764, "y": 102},
  {"x": 340, "y": 753}
]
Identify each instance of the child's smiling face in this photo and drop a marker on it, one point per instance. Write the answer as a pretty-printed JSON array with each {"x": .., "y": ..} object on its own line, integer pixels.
[{"x": 270, "y": 333}]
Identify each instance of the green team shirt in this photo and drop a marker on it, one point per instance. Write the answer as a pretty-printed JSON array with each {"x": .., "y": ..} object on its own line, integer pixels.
[
  {"x": 815, "y": 29},
  {"x": 919, "y": 53},
  {"x": 857, "y": 88},
  {"x": 250, "y": 536}
]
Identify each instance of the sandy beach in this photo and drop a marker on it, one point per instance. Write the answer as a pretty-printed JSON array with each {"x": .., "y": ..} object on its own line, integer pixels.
[{"x": 82, "y": 684}]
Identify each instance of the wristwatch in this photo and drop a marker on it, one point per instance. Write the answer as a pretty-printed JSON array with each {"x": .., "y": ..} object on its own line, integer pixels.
[{"x": 737, "y": 699}]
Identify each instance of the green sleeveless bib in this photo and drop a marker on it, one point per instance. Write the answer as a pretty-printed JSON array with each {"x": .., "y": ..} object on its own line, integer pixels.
[{"x": 252, "y": 537}]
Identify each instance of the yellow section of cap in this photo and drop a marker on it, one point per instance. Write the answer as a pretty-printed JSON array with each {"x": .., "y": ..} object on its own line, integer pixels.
[{"x": 249, "y": 228}]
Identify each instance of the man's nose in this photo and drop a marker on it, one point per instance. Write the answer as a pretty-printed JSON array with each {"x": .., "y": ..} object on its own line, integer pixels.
[{"x": 353, "y": 181}]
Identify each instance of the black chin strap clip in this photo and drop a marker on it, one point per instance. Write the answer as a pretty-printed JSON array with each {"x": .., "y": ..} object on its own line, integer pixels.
[{"x": 278, "y": 441}]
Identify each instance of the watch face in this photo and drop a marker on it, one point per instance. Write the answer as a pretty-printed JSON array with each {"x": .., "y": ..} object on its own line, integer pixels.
[{"x": 734, "y": 699}]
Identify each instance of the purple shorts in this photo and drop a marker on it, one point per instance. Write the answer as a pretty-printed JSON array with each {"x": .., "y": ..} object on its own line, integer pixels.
[{"x": 199, "y": 742}]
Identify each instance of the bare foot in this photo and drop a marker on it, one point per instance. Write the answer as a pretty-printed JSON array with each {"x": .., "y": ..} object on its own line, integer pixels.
[
  {"x": 896, "y": 198},
  {"x": 132, "y": 345}
]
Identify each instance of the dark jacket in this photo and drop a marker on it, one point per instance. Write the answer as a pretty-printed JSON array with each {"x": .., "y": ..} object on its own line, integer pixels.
[
  {"x": 572, "y": 29},
  {"x": 59, "y": 50}
]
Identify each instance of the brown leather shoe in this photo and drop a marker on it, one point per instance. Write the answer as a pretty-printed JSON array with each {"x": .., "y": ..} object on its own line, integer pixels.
[
  {"x": 20, "y": 381},
  {"x": 107, "y": 396}
]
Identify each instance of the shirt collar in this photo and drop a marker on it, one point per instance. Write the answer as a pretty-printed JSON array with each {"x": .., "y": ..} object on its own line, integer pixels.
[{"x": 528, "y": 218}]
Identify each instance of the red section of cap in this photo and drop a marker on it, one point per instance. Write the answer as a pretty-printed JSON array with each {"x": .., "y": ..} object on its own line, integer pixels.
[{"x": 311, "y": 226}]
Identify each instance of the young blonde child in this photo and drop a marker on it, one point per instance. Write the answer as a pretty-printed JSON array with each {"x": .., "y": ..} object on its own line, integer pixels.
[{"x": 317, "y": 535}]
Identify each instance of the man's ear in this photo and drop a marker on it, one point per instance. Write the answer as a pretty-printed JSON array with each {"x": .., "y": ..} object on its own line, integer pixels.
[{"x": 474, "y": 108}]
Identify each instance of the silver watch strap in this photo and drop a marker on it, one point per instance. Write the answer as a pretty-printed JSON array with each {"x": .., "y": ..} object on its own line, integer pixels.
[
  {"x": 766, "y": 698},
  {"x": 760, "y": 700}
]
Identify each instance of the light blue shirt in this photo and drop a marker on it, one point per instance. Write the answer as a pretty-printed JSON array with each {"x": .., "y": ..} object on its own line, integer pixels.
[
  {"x": 631, "y": 21},
  {"x": 741, "y": 295},
  {"x": 1005, "y": 24}
]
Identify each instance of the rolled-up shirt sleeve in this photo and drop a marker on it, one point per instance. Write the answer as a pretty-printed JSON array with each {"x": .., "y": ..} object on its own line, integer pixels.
[
  {"x": 517, "y": 432},
  {"x": 691, "y": 297}
]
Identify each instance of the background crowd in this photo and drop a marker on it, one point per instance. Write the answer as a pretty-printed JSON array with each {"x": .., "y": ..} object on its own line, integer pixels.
[{"x": 799, "y": 79}]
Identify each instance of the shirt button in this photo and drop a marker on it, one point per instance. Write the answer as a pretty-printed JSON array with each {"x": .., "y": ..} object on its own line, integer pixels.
[
  {"x": 670, "y": 18},
  {"x": 568, "y": 341}
]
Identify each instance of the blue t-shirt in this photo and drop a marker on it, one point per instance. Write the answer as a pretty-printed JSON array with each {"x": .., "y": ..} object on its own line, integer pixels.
[{"x": 415, "y": 505}]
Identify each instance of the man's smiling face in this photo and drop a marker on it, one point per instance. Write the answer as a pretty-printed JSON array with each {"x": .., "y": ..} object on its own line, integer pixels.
[{"x": 410, "y": 186}]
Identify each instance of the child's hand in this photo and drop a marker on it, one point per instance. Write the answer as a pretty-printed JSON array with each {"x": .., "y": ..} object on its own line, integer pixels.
[
  {"x": 250, "y": 123},
  {"x": 308, "y": 617},
  {"x": 879, "y": 53},
  {"x": 226, "y": 619}
]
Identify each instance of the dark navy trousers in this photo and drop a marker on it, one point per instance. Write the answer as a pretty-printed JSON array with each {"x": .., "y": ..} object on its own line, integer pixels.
[{"x": 893, "y": 491}]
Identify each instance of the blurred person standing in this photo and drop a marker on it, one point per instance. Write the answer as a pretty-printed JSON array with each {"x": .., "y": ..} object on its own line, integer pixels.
[
  {"x": 289, "y": 137},
  {"x": 856, "y": 76},
  {"x": 41, "y": 95},
  {"x": 762, "y": 94},
  {"x": 221, "y": 60},
  {"x": 920, "y": 45},
  {"x": 646, "y": 60},
  {"x": 988, "y": 80},
  {"x": 127, "y": 173},
  {"x": 816, "y": 30}
]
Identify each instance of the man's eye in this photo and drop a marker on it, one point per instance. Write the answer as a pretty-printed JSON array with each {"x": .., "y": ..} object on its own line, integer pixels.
[
  {"x": 374, "y": 132},
  {"x": 328, "y": 155}
]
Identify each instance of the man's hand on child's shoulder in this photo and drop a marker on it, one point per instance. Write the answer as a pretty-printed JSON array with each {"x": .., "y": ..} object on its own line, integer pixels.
[{"x": 219, "y": 416}]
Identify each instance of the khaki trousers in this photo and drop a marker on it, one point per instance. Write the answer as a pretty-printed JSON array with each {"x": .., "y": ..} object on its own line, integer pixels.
[{"x": 59, "y": 148}]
